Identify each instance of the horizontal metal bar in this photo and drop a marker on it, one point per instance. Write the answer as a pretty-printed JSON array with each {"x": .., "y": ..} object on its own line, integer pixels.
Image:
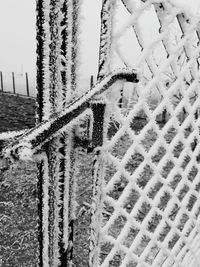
[
  {"x": 8, "y": 137},
  {"x": 33, "y": 139}
]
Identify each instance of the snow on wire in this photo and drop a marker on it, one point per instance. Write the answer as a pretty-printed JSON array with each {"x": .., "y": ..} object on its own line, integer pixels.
[{"x": 146, "y": 207}]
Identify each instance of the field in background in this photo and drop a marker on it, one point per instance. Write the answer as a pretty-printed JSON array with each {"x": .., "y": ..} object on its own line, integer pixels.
[
  {"x": 18, "y": 194},
  {"x": 19, "y": 83},
  {"x": 16, "y": 112}
]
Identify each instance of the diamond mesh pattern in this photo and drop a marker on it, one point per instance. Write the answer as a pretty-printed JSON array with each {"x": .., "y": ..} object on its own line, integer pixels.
[{"x": 151, "y": 149}]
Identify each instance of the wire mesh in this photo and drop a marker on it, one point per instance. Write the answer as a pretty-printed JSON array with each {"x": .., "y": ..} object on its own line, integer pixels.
[{"x": 150, "y": 190}]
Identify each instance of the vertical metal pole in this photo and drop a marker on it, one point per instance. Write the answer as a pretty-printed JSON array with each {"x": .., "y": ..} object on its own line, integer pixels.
[
  {"x": 105, "y": 37},
  {"x": 64, "y": 192},
  {"x": 55, "y": 157},
  {"x": 88, "y": 123},
  {"x": 98, "y": 131},
  {"x": 13, "y": 80},
  {"x": 91, "y": 81},
  {"x": 2, "y": 81},
  {"x": 70, "y": 49},
  {"x": 96, "y": 213},
  {"x": 27, "y": 85},
  {"x": 56, "y": 78},
  {"x": 41, "y": 80}
]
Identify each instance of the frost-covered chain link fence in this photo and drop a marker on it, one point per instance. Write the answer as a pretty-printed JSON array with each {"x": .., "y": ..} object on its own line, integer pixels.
[
  {"x": 148, "y": 207},
  {"x": 143, "y": 145}
]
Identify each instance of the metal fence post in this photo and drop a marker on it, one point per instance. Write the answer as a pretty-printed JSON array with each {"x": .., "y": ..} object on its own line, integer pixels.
[
  {"x": 96, "y": 212},
  {"x": 91, "y": 81},
  {"x": 1, "y": 75},
  {"x": 13, "y": 80},
  {"x": 98, "y": 131},
  {"x": 27, "y": 85},
  {"x": 56, "y": 40}
]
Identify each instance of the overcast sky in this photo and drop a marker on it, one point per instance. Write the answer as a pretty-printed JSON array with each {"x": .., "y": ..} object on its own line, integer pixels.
[
  {"x": 17, "y": 31},
  {"x": 17, "y": 35}
]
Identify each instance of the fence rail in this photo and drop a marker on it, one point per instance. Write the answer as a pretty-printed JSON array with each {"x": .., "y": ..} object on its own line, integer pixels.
[{"x": 44, "y": 132}]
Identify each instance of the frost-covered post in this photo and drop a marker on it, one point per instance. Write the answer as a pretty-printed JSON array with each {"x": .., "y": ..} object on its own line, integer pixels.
[
  {"x": 98, "y": 108},
  {"x": 56, "y": 79}
]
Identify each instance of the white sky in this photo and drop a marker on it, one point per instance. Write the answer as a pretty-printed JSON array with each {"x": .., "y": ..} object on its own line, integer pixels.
[{"x": 17, "y": 31}]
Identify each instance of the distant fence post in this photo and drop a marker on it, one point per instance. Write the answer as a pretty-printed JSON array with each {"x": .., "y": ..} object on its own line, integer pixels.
[
  {"x": 13, "y": 78},
  {"x": 27, "y": 84},
  {"x": 91, "y": 81},
  {"x": 1, "y": 75}
]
